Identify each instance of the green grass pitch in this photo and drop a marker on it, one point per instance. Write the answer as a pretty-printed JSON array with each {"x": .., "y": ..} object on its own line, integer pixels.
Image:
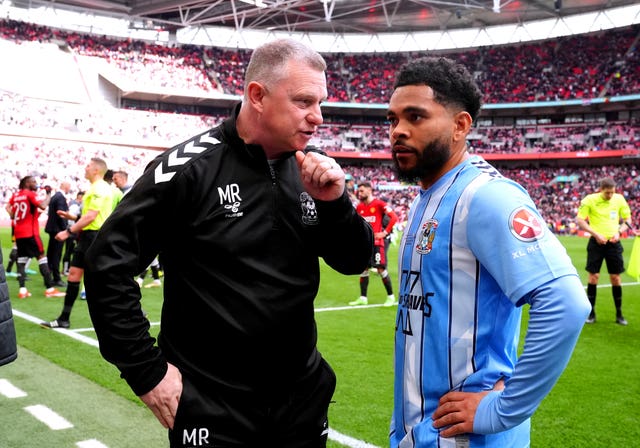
[{"x": 593, "y": 405}]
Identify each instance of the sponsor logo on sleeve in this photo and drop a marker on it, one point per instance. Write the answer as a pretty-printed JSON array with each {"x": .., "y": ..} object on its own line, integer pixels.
[{"x": 526, "y": 225}]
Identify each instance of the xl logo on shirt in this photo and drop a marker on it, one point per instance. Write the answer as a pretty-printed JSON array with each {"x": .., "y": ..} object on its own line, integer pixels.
[{"x": 525, "y": 225}]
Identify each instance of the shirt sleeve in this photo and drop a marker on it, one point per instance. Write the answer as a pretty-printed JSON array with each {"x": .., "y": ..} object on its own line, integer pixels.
[
  {"x": 557, "y": 314},
  {"x": 625, "y": 210},
  {"x": 127, "y": 242},
  {"x": 515, "y": 245}
]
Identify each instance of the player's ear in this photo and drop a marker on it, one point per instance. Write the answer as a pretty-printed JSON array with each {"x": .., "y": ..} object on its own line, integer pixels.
[
  {"x": 462, "y": 125},
  {"x": 255, "y": 94}
]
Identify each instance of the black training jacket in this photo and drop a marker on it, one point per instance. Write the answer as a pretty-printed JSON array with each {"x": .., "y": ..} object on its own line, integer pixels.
[{"x": 239, "y": 241}]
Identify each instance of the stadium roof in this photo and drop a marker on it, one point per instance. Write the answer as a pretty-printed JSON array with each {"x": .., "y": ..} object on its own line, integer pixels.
[
  {"x": 350, "y": 26},
  {"x": 333, "y": 16}
]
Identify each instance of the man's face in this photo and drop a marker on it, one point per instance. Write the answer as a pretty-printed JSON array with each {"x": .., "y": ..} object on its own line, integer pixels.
[
  {"x": 291, "y": 109},
  {"x": 607, "y": 193},
  {"x": 420, "y": 132},
  {"x": 32, "y": 184},
  {"x": 364, "y": 193},
  {"x": 89, "y": 170},
  {"x": 119, "y": 180}
]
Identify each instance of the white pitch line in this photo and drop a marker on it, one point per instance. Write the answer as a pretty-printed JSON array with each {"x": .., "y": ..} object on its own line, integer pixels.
[
  {"x": 71, "y": 333},
  {"x": 608, "y": 285},
  {"x": 333, "y": 435},
  {"x": 348, "y": 441},
  {"x": 9, "y": 390},
  {"x": 48, "y": 417},
  {"x": 349, "y": 307},
  {"x": 92, "y": 443}
]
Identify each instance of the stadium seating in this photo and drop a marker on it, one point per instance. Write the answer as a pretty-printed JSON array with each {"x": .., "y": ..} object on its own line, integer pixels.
[{"x": 41, "y": 131}]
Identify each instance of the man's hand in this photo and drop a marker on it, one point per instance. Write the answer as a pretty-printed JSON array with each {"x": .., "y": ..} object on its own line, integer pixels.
[
  {"x": 321, "y": 176},
  {"x": 62, "y": 235},
  {"x": 164, "y": 398},
  {"x": 66, "y": 215},
  {"x": 457, "y": 410}
]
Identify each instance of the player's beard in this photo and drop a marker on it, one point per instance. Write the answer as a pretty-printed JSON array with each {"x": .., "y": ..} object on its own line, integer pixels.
[{"x": 429, "y": 162}]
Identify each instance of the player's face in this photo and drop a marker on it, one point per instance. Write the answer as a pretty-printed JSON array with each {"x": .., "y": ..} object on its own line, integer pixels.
[
  {"x": 607, "y": 193},
  {"x": 420, "y": 132},
  {"x": 90, "y": 170},
  {"x": 364, "y": 193},
  {"x": 291, "y": 109},
  {"x": 32, "y": 184},
  {"x": 119, "y": 180}
]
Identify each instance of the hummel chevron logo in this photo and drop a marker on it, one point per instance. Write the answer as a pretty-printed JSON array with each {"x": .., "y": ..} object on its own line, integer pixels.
[{"x": 180, "y": 156}]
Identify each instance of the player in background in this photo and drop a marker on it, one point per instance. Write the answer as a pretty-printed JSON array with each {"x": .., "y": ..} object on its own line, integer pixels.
[
  {"x": 97, "y": 205},
  {"x": 72, "y": 215},
  {"x": 373, "y": 210},
  {"x": 605, "y": 215},
  {"x": 24, "y": 208}
]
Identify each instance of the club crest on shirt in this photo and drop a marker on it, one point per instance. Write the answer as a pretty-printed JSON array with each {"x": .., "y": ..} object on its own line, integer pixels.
[
  {"x": 309, "y": 211},
  {"x": 426, "y": 237},
  {"x": 525, "y": 225}
]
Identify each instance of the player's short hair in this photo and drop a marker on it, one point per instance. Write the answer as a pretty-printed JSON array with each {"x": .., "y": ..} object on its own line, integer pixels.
[
  {"x": 606, "y": 183},
  {"x": 101, "y": 164},
  {"x": 267, "y": 63},
  {"x": 451, "y": 82}
]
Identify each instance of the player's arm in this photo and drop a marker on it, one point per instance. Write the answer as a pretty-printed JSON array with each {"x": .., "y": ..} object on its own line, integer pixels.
[
  {"x": 10, "y": 211},
  {"x": 583, "y": 224},
  {"x": 85, "y": 220},
  {"x": 42, "y": 205},
  {"x": 67, "y": 215},
  {"x": 557, "y": 314},
  {"x": 393, "y": 219},
  {"x": 343, "y": 238},
  {"x": 80, "y": 224},
  {"x": 556, "y": 317},
  {"x": 627, "y": 225},
  {"x": 625, "y": 214},
  {"x": 125, "y": 245}
]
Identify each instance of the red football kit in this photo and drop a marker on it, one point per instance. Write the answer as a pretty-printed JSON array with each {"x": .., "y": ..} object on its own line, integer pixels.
[
  {"x": 26, "y": 212},
  {"x": 373, "y": 213}
]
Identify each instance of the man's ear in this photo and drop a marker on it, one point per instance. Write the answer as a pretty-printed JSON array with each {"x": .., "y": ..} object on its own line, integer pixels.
[
  {"x": 255, "y": 94},
  {"x": 462, "y": 125}
]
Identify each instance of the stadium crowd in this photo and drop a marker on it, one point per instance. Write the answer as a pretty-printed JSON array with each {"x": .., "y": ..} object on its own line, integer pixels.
[
  {"x": 162, "y": 128},
  {"x": 575, "y": 67},
  {"x": 578, "y": 67},
  {"x": 555, "y": 190}
]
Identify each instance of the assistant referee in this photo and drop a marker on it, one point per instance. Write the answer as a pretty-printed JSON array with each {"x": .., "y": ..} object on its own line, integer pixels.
[{"x": 605, "y": 215}]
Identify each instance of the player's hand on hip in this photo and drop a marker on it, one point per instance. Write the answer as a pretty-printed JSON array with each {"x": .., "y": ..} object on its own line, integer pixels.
[
  {"x": 164, "y": 398},
  {"x": 456, "y": 412},
  {"x": 321, "y": 176}
]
